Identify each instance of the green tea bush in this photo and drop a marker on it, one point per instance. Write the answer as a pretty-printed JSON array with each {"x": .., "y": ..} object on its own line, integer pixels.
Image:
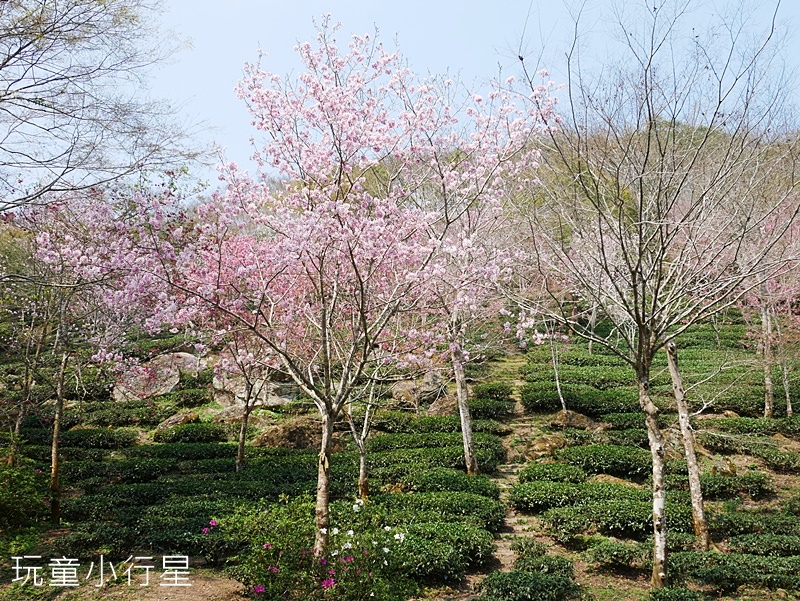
[
  {"x": 553, "y": 472},
  {"x": 540, "y": 397},
  {"x": 197, "y": 433},
  {"x": 445, "y": 479},
  {"x": 777, "y": 545},
  {"x": 553, "y": 565},
  {"x": 625, "y": 421},
  {"x": 527, "y": 586},
  {"x": 99, "y": 438},
  {"x": 452, "y": 457},
  {"x": 400, "y": 422},
  {"x": 486, "y": 408},
  {"x": 541, "y": 495},
  {"x": 460, "y": 506},
  {"x": 498, "y": 391},
  {"x": 130, "y": 413},
  {"x": 733, "y": 523},
  {"x": 726, "y": 572},
  {"x": 22, "y": 496},
  {"x": 618, "y": 556},
  {"x": 624, "y": 462},
  {"x": 44, "y": 453},
  {"x": 628, "y": 438},
  {"x": 675, "y": 594},
  {"x": 280, "y": 564},
  {"x": 739, "y": 425}
]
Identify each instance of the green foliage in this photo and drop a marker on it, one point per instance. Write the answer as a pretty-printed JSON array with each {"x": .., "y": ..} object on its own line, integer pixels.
[
  {"x": 553, "y": 565},
  {"x": 733, "y": 523},
  {"x": 726, "y": 572},
  {"x": 445, "y": 479},
  {"x": 22, "y": 496},
  {"x": 628, "y": 438},
  {"x": 618, "y": 556},
  {"x": 757, "y": 485},
  {"x": 624, "y": 462},
  {"x": 497, "y": 391},
  {"x": 624, "y": 518},
  {"x": 197, "y": 433},
  {"x": 141, "y": 413},
  {"x": 99, "y": 438},
  {"x": 460, "y": 506},
  {"x": 528, "y": 547},
  {"x": 398, "y": 421},
  {"x": 452, "y": 457},
  {"x": 625, "y": 421},
  {"x": 553, "y": 472},
  {"x": 675, "y": 594},
  {"x": 527, "y": 586},
  {"x": 537, "y": 496},
  {"x": 487, "y": 408},
  {"x": 777, "y": 545}
]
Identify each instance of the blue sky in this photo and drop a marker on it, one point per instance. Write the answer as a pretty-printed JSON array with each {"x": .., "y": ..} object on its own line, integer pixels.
[{"x": 471, "y": 39}]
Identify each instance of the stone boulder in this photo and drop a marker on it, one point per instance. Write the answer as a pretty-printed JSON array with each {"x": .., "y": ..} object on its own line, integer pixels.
[
  {"x": 544, "y": 446},
  {"x": 571, "y": 419},
  {"x": 230, "y": 391},
  {"x": 431, "y": 388},
  {"x": 179, "y": 419},
  {"x": 612, "y": 480},
  {"x": 160, "y": 375},
  {"x": 405, "y": 392},
  {"x": 303, "y": 433}
]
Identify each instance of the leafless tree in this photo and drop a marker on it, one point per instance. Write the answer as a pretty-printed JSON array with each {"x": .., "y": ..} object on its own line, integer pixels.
[
  {"x": 72, "y": 110},
  {"x": 651, "y": 208}
]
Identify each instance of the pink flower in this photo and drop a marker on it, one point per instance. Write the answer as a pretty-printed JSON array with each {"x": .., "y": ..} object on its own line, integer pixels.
[
  {"x": 205, "y": 531},
  {"x": 328, "y": 583},
  {"x": 331, "y": 572},
  {"x": 213, "y": 523},
  {"x": 267, "y": 546},
  {"x": 273, "y": 569},
  {"x": 259, "y": 588}
]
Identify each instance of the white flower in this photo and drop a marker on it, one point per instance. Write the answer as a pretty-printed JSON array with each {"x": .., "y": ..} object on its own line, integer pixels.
[
  {"x": 335, "y": 552},
  {"x": 349, "y": 533},
  {"x": 359, "y": 501},
  {"x": 386, "y": 563},
  {"x": 400, "y": 536},
  {"x": 323, "y": 530},
  {"x": 387, "y": 528},
  {"x": 385, "y": 549},
  {"x": 335, "y": 531},
  {"x": 356, "y": 508},
  {"x": 347, "y": 546}
]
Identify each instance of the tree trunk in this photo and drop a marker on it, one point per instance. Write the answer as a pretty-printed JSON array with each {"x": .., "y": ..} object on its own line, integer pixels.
[
  {"x": 785, "y": 371},
  {"x": 322, "y": 512},
  {"x": 243, "y": 429},
  {"x": 554, "y": 356},
  {"x": 462, "y": 395},
  {"x": 658, "y": 578},
  {"x": 15, "y": 438},
  {"x": 592, "y": 324},
  {"x": 55, "y": 489},
  {"x": 696, "y": 493},
  {"x": 766, "y": 351},
  {"x": 363, "y": 475}
]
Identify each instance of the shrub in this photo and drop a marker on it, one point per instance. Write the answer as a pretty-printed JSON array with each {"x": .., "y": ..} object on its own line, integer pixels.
[
  {"x": 630, "y": 462},
  {"x": 616, "y": 556},
  {"x": 541, "y": 495},
  {"x": 197, "y": 433},
  {"x": 553, "y": 472},
  {"x": 624, "y": 421},
  {"x": 675, "y": 594},
  {"x": 445, "y": 479},
  {"x": 487, "y": 408},
  {"x": 398, "y": 421},
  {"x": 528, "y": 547},
  {"x": 22, "y": 499},
  {"x": 628, "y": 438},
  {"x": 540, "y": 397},
  {"x": 778, "y": 545},
  {"x": 734, "y": 523},
  {"x": 498, "y": 391},
  {"x": 460, "y": 506},
  {"x": 553, "y": 565},
  {"x": 527, "y": 586},
  {"x": 727, "y": 571},
  {"x": 99, "y": 438}
]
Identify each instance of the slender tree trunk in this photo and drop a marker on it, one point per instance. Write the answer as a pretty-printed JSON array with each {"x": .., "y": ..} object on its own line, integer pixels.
[
  {"x": 248, "y": 397},
  {"x": 55, "y": 489},
  {"x": 15, "y": 437},
  {"x": 462, "y": 395},
  {"x": 554, "y": 356},
  {"x": 592, "y": 324},
  {"x": 363, "y": 474},
  {"x": 767, "y": 356},
  {"x": 696, "y": 493},
  {"x": 658, "y": 578},
  {"x": 322, "y": 511},
  {"x": 785, "y": 372}
]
